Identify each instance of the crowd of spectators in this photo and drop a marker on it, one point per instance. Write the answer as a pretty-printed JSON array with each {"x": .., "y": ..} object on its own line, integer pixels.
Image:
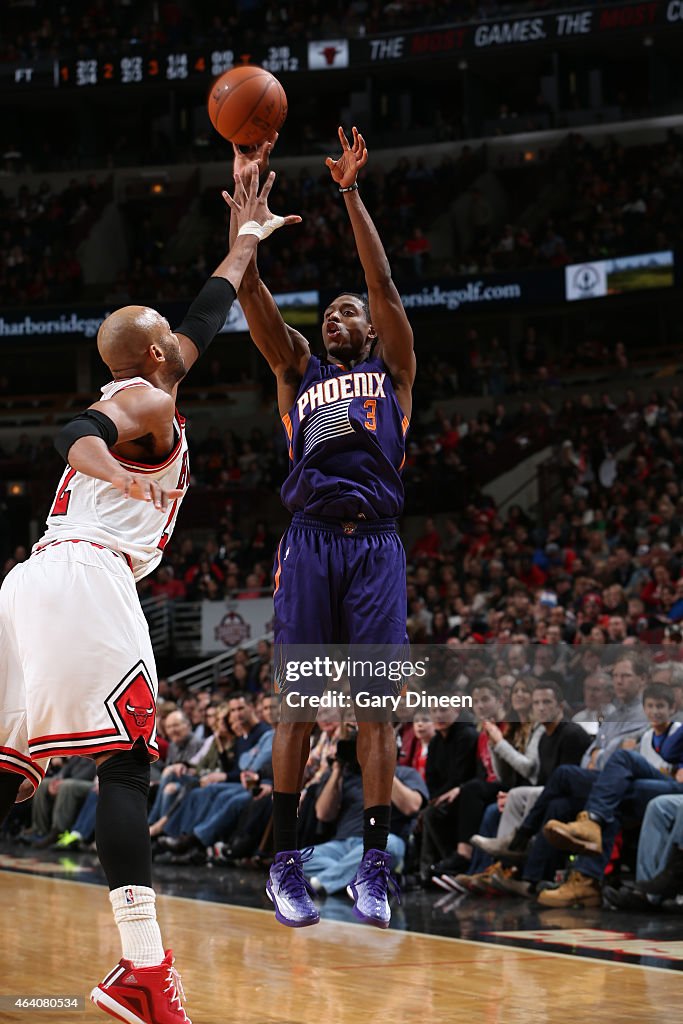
[
  {"x": 90, "y": 27},
  {"x": 608, "y": 547},
  {"x": 450, "y": 457},
  {"x": 606, "y": 200},
  {"x": 502, "y": 824},
  {"x": 39, "y": 233},
  {"x": 233, "y": 563},
  {"x": 602, "y": 201},
  {"x": 606, "y": 553},
  {"x": 320, "y": 253},
  {"x": 592, "y": 494},
  {"x": 609, "y": 201},
  {"x": 560, "y": 752},
  {"x": 566, "y": 631}
]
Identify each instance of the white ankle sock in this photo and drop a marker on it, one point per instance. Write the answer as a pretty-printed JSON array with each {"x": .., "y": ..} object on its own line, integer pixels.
[{"x": 135, "y": 914}]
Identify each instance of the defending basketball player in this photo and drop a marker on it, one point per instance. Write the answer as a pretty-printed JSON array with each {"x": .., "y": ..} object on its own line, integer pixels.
[
  {"x": 77, "y": 672},
  {"x": 340, "y": 567}
]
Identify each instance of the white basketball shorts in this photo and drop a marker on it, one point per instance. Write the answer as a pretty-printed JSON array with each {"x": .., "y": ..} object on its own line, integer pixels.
[{"x": 77, "y": 672}]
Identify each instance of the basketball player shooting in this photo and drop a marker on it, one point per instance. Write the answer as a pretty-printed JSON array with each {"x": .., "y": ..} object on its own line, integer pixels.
[
  {"x": 77, "y": 673},
  {"x": 340, "y": 567}
]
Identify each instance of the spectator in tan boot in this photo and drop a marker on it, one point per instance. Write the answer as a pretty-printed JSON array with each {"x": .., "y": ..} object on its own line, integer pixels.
[{"x": 627, "y": 776}]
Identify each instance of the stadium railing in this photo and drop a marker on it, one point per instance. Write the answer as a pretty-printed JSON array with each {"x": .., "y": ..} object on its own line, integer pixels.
[
  {"x": 209, "y": 672},
  {"x": 175, "y": 629}
]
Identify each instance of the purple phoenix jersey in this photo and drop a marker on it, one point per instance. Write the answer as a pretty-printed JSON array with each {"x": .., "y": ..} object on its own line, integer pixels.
[{"x": 346, "y": 436}]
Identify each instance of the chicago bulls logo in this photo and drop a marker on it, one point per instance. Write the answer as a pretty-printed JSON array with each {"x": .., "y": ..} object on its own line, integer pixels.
[
  {"x": 136, "y": 708},
  {"x": 140, "y": 714},
  {"x": 329, "y": 53},
  {"x": 132, "y": 706}
]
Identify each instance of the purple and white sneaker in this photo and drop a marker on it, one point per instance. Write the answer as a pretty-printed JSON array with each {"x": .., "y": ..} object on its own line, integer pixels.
[
  {"x": 370, "y": 889},
  {"x": 288, "y": 890}
]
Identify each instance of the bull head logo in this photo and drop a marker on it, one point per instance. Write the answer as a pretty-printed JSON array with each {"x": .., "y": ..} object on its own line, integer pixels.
[
  {"x": 329, "y": 53},
  {"x": 140, "y": 714},
  {"x": 132, "y": 706}
]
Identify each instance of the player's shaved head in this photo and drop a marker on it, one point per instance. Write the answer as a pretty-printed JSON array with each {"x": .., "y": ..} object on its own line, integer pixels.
[{"x": 124, "y": 338}]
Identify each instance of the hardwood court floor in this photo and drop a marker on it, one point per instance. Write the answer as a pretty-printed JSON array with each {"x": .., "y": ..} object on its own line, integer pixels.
[{"x": 240, "y": 967}]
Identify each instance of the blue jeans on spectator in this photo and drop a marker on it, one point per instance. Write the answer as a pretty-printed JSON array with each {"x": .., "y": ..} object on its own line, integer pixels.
[
  {"x": 167, "y": 793},
  {"x": 488, "y": 827},
  {"x": 562, "y": 798},
  {"x": 335, "y": 863},
  {"x": 197, "y": 805},
  {"x": 85, "y": 822},
  {"x": 221, "y": 823},
  {"x": 627, "y": 776},
  {"x": 208, "y": 811},
  {"x": 662, "y": 830}
]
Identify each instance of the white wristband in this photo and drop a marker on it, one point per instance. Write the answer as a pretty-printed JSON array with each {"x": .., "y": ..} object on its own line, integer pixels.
[{"x": 252, "y": 227}]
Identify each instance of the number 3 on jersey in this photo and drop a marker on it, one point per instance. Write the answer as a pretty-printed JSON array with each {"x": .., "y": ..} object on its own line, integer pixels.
[
  {"x": 63, "y": 497},
  {"x": 370, "y": 407},
  {"x": 183, "y": 481}
]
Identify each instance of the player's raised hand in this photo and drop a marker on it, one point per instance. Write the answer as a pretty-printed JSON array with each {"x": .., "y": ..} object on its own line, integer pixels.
[
  {"x": 250, "y": 206},
  {"x": 259, "y": 155},
  {"x": 134, "y": 485},
  {"x": 345, "y": 170}
]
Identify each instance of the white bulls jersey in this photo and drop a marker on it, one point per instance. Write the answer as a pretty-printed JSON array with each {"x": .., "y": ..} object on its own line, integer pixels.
[{"x": 92, "y": 510}]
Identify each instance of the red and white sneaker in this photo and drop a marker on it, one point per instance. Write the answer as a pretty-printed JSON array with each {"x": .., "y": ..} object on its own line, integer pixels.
[{"x": 143, "y": 995}]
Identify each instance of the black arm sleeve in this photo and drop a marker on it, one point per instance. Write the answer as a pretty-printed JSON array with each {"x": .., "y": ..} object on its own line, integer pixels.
[
  {"x": 208, "y": 313},
  {"x": 90, "y": 423}
]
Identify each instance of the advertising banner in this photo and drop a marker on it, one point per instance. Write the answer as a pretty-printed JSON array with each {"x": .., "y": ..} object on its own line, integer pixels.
[
  {"x": 641, "y": 272},
  {"x": 297, "y": 308},
  {"x": 553, "y": 29},
  {"x": 522, "y": 289},
  {"x": 227, "y": 625},
  {"x": 480, "y": 292}
]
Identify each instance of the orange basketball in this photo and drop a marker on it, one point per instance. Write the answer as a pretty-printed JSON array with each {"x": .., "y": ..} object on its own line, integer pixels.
[{"x": 247, "y": 104}]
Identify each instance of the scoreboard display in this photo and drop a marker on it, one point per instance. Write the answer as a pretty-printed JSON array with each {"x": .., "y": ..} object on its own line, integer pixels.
[
  {"x": 136, "y": 69},
  {"x": 639, "y": 19},
  {"x": 176, "y": 66}
]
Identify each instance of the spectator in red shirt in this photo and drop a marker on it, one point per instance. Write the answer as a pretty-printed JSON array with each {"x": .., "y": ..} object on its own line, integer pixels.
[
  {"x": 428, "y": 544},
  {"x": 165, "y": 585},
  {"x": 530, "y": 575},
  {"x": 652, "y": 591},
  {"x": 416, "y": 249},
  {"x": 203, "y": 568}
]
